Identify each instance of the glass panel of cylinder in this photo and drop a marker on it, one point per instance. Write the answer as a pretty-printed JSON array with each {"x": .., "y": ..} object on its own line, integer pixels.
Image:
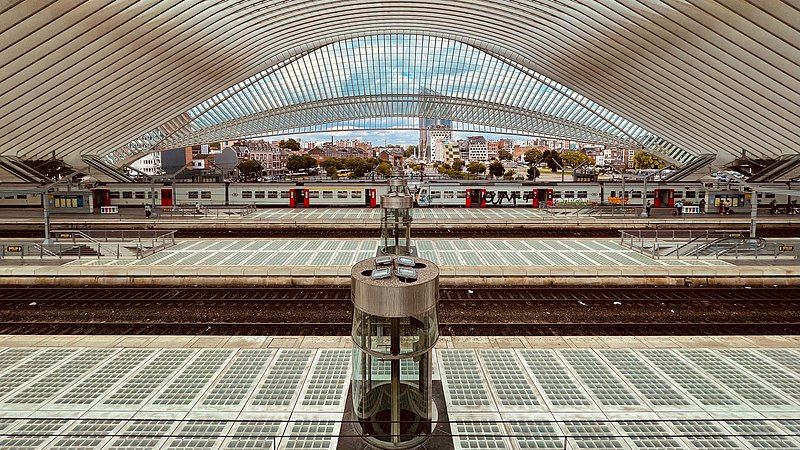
[
  {"x": 396, "y": 231},
  {"x": 384, "y": 347}
]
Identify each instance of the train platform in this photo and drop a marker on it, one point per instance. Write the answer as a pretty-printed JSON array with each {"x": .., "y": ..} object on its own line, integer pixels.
[
  {"x": 237, "y": 392},
  {"x": 347, "y": 218},
  {"x": 473, "y": 262}
]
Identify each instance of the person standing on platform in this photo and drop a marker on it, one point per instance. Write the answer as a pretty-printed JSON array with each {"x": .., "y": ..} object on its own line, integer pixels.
[
  {"x": 147, "y": 211},
  {"x": 679, "y": 207},
  {"x": 702, "y": 206},
  {"x": 197, "y": 208},
  {"x": 647, "y": 208}
]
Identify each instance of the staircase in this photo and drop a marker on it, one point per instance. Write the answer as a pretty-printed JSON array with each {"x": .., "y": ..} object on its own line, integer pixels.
[
  {"x": 693, "y": 170},
  {"x": 80, "y": 250},
  {"x": 785, "y": 168}
]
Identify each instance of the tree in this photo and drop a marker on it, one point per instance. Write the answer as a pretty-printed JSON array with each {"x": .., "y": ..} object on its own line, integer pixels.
[
  {"x": 533, "y": 172},
  {"x": 509, "y": 175},
  {"x": 290, "y": 144},
  {"x": 575, "y": 159},
  {"x": 458, "y": 165},
  {"x": 533, "y": 156},
  {"x": 496, "y": 169},
  {"x": 296, "y": 163},
  {"x": 504, "y": 155},
  {"x": 249, "y": 168},
  {"x": 475, "y": 168},
  {"x": 644, "y": 160},
  {"x": 553, "y": 160},
  {"x": 409, "y": 151},
  {"x": 384, "y": 169},
  {"x": 332, "y": 166},
  {"x": 455, "y": 174}
]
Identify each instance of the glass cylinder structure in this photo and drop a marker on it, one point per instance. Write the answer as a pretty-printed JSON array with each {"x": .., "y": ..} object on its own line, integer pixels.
[
  {"x": 395, "y": 327},
  {"x": 396, "y": 218}
]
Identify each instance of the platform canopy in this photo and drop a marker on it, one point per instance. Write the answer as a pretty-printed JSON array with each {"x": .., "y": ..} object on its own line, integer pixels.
[{"x": 121, "y": 78}]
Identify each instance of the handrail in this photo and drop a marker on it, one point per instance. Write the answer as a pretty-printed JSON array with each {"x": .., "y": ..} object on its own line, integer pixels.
[{"x": 692, "y": 243}]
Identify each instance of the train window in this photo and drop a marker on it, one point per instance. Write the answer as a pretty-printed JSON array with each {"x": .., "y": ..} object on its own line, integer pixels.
[
  {"x": 8, "y": 197},
  {"x": 341, "y": 194},
  {"x": 583, "y": 194},
  {"x": 461, "y": 194},
  {"x": 22, "y": 196},
  {"x": 113, "y": 194},
  {"x": 556, "y": 194},
  {"x": 448, "y": 194},
  {"x": 284, "y": 194},
  {"x": 636, "y": 194},
  {"x": 613, "y": 193},
  {"x": 769, "y": 195},
  {"x": 327, "y": 194},
  {"x": 313, "y": 194},
  {"x": 205, "y": 194},
  {"x": 128, "y": 194},
  {"x": 247, "y": 194},
  {"x": 701, "y": 194},
  {"x": 139, "y": 194},
  {"x": 677, "y": 194},
  {"x": 355, "y": 194},
  {"x": 260, "y": 194},
  {"x": 192, "y": 194},
  {"x": 436, "y": 194},
  {"x": 569, "y": 194},
  {"x": 691, "y": 194},
  {"x": 149, "y": 194},
  {"x": 272, "y": 194}
]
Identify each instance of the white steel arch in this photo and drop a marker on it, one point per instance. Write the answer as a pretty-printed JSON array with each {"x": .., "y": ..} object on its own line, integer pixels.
[{"x": 705, "y": 76}]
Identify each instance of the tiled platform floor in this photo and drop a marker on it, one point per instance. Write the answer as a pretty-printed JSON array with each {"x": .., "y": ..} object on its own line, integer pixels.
[
  {"x": 673, "y": 393},
  {"x": 444, "y": 252}
]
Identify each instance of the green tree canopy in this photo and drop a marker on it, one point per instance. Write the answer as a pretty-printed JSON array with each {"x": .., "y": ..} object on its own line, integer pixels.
[
  {"x": 296, "y": 163},
  {"x": 533, "y": 156},
  {"x": 533, "y": 172},
  {"x": 575, "y": 159},
  {"x": 644, "y": 160},
  {"x": 458, "y": 165},
  {"x": 249, "y": 168},
  {"x": 476, "y": 167},
  {"x": 409, "y": 151},
  {"x": 384, "y": 169},
  {"x": 509, "y": 175},
  {"x": 504, "y": 155},
  {"x": 496, "y": 169},
  {"x": 290, "y": 144}
]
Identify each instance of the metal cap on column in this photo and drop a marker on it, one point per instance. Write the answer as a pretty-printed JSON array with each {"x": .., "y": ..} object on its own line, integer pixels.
[
  {"x": 396, "y": 217},
  {"x": 395, "y": 327}
]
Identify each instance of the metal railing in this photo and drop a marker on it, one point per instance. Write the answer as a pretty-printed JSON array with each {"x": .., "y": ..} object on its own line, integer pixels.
[
  {"x": 503, "y": 432},
  {"x": 82, "y": 250},
  {"x": 594, "y": 210},
  {"x": 80, "y": 244},
  {"x": 207, "y": 210},
  {"x": 704, "y": 244}
]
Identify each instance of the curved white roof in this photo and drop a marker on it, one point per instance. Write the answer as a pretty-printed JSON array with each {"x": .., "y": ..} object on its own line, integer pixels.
[{"x": 113, "y": 78}]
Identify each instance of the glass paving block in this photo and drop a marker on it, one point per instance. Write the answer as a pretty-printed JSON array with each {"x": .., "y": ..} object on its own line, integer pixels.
[
  {"x": 586, "y": 434},
  {"x": 650, "y": 435},
  {"x": 32, "y": 368},
  {"x": 691, "y": 380},
  {"x": 649, "y": 383},
  {"x": 726, "y": 374},
  {"x": 254, "y": 435},
  {"x": 601, "y": 381},
  {"x": 76, "y": 443},
  {"x": 12, "y": 356},
  {"x": 463, "y": 380},
  {"x": 282, "y": 381},
  {"x": 190, "y": 382},
  {"x": 784, "y": 357},
  {"x": 536, "y": 435},
  {"x": 238, "y": 378},
  {"x": 479, "y": 435},
  {"x": 144, "y": 382},
  {"x": 49, "y": 385},
  {"x": 705, "y": 434},
  {"x": 556, "y": 383},
  {"x": 22, "y": 443},
  {"x": 328, "y": 379},
  {"x": 761, "y": 434},
  {"x": 508, "y": 379},
  {"x": 310, "y": 435},
  {"x": 789, "y": 384}
]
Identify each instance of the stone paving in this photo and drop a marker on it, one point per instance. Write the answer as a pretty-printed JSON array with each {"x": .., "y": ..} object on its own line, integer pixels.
[
  {"x": 444, "y": 252},
  {"x": 219, "y": 392}
]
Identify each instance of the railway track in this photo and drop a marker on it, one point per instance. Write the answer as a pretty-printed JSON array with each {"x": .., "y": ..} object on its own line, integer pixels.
[
  {"x": 445, "y": 329},
  {"x": 511, "y": 311},
  {"x": 333, "y": 294}
]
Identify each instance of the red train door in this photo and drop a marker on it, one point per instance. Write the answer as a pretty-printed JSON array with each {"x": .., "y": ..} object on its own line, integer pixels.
[
  {"x": 483, "y": 198},
  {"x": 468, "y": 202},
  {"x": 166, "y": 196},
  {"x": 664, "y": 198},
  {"x": 548, "y": 197},
  {"x": 292, "y": 199},
  {"x": 370, "y": 198},
  {"x": 102, "y": 197},
  {"x": 535, "y": 198},
  {"x": 306, "y": 198}
]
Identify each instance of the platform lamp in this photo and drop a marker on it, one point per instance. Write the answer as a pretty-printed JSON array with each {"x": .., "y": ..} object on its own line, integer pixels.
[{"x": 395, "y": 327}]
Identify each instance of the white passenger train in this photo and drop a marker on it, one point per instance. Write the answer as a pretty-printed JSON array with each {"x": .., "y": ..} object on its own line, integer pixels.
[{"x": 466, "y": 193}]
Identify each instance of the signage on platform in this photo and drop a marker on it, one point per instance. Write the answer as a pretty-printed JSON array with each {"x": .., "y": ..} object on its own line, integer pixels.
[{"x": 13, "y": 249}]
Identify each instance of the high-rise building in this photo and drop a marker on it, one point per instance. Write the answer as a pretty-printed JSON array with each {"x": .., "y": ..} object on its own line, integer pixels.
[
  {"x": 450, "y": 151},
  {"x": 477, "y": 149},
  {"x": 431, "y": 130},
  {"x": 492, "y": 147},
  {"x": 148, "y": 164}
]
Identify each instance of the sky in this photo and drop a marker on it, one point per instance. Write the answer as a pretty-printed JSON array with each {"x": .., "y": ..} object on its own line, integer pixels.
[{"x": 377, "y": 137}]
